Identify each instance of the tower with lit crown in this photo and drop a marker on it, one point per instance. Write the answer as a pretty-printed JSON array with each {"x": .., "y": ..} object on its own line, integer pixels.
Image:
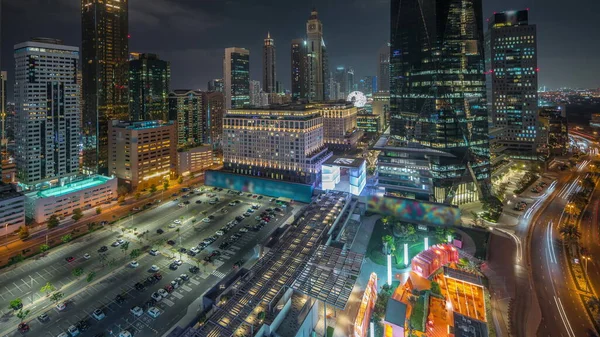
[
  {"x": 269, "y": 66},
  {"x": 315, "y": 57}
]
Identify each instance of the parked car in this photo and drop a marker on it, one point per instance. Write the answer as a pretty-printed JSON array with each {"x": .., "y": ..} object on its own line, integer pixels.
[
  {"x": 136, "y": 311},
  {"x": 70, "y": 259},
  {"x": 154, "y": 268},
  {"x": 154, "y": 312},
  {"x": 154, "y": 252},
  {"x": 98, "y": 314},
  {"x": 156, "y": 296},
  {"x": 159, "y": 231},
  {"x": 102, "y": 249},
  {"x": 194, "y": 270},
  {"x": 43, "y": 318}
]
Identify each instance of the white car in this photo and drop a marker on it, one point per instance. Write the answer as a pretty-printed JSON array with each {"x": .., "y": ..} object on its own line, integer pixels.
[
  {"x": 163, "y": 293},
  {"x": 172, "y": 225},
  {"x": 154, "y": 268},
  {"x": 61, "y": 306},
  {"x": 243, "y": 230},
  {"x": 86, "y": 256},
  {"x": 212, "y": 202},
  {"x": 136, "y": 311},
  {"x": 98, "y": 314},
  {"x": 181, "y": 204},
  {"x": 195, "y": 250},
  {"x": 154, "y": 252},
  {"x": 134, "y": 264},
  {"x": 125, "y": 333},
  {"x": 207, "y": 220},
  {"x": 154, "y": 312},
  {"x": 156, "y": 296},
  {"x": 232, "y": 203},
  {"x": 73, "y": 331},
  {"x": 121, "y": 241},
  {"x": 177, "y": 221},
  {"x": 178, "y": 262},
  {"x": 220, "y": 233}
]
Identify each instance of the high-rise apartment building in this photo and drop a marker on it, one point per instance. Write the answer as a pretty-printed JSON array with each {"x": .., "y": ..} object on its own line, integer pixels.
[
  {"x": 438, "y": 146},
  {"x": 315, "y": 58},
  {"x": 255, "y": 91},
  {"x": 269, "y": 65},
  {"x": 511, "y": 75},
  {"x": 149, "y": 80},
  {"x": 142, "y": 153},
  {"x": 104, "y": 51},
  {"x": 198, "y": 116},
  {"x": 383, "y": 68},
  {"x": 215, "y": 85},
  {"x": 276, "y": 142},
  {"x": 236, "y": 77},
  {"x": 47, "y": 111},
  {"x": 3, "y": 111},
  {"x": 299, "y": 71},
  {"x": 213, "y": 109}
]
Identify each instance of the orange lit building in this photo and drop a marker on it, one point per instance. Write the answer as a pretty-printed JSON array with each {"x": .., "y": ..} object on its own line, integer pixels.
[
  {"x": 427, "y": 262},
  {"x": 361, "y": 324}
]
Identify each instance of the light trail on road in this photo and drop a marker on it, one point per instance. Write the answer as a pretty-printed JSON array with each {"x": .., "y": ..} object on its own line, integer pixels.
[{"x": 539, "y": 201}]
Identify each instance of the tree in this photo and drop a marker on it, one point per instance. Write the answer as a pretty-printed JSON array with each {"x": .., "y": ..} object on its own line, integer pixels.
[
  {"x": 16, "y": 304},
  {"x": 122, "y": 190},
  {"x": 23, "y": 232},
  {"x": 77, "y": 272},
  {"x": 47, "y": 288},
  {"x": 202, "y": 319},
  {"x": 388, "y": 244},
  {"x": 125, "y": 246},
  {"x": 90, "y": 276},
  {"x": 572, "y": 210},
  {"x": 385, "y": 220},
  {"x": 57, "y": 296},
  {"x": 594, "y": 304},
  {"x": 261, "y": 316},
  {"x": 102, "y": 258},
  {"x": 435, "y": 288},
  {"x": 16, "y": 259},
  {"x": 121, "y": 199},
  {"x": 180, "y": 180},
  {"x": 166, "y": 185},
  {"x": 98, "y": 210},
  {"x": 66, "y": 238},
  {"x": 90, "y": 226},
  {"x": 53, "y": 221},
  {"x": 77, "y": 214},
  {"x": 138, "y": 195},
  {"x": 588, "y": 184},
  {"x": 22, "y": 314},
  {"x": 135, "y": 253},
  {"x": 152, "y": 188},
  {"x": 580, "y": 199},
  {"x": 44, "y": 248},
  {"x": 570, "y": 233}
]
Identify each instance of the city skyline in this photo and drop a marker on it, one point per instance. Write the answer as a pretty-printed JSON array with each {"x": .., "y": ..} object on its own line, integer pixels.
[{"x": 348, "y": 29}]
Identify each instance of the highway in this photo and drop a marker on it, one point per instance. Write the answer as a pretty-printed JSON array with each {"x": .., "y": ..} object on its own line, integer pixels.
[{"x": 115, "y": 276}]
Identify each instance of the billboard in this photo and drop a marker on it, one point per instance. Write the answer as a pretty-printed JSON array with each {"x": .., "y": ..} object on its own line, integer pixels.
[
  {"x": 415, "y": 211},
  {"x": 273, "y": 188}
]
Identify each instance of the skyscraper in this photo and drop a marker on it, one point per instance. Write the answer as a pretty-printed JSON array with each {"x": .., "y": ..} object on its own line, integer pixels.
[
  {"x": 315, "y": 64},
  {"x": 149, "y": 79},
  {"x": 383, "y": 68},
  {"x": 215, "y": 85},
  {"x": 511, "y": 75},
  {"x": 236, "y": 77},
  {"x": 269, "y": 68},
  {"x": 185, "y": 108},
  {"x": 255, "y": 93},
  {"x": 440, "y": 131},
  {"x": 341, "y": 76},
  {"x": 299, "y": 71},
  {"x": 104, "y": 51},
  {"x": 47, "y": 110}
]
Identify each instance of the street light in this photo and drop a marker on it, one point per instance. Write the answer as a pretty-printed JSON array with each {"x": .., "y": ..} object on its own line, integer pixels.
[{"x": 586, "y": 259}]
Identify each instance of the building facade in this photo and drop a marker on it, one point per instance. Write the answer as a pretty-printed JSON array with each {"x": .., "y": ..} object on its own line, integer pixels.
[
  {"x": 191, "y": 161},
  {"x": 299, "y": 71},
  {"x": 236, "y": 77},
  {"x": 213, "y": 108},
  {"x": 186, "y": 110},
  {"x": 85, "y": 193},
  {"x": 554, "y": 131},
  {"x": 47, "y": 111},
  {"x": 12, "y": 208},
  {"x": 511, "y": 75},
  {"x": 142, "y": 153},
  {"x": 383, "y": 69},
  {"x": 104, "y": 51},
  {"x": 255, "y": 92},
  {"x": 339, "y": 124},
  {"x": 149, "y": 80},
  {"x": 315, "y": 64},
  {"x": 216, "y": 85},
  {"x": 277, "y": 142},
  {"x": 369, "y": 123},
  {"x": 439, "y": 147},
  {"x": 269, "y": 65}
]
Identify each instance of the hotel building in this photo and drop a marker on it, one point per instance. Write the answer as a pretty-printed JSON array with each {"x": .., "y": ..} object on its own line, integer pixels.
[
  {"x": 142, "y": 153},
  {"x": 339, "y": 125},
  {"x": 278, "y": 142}
]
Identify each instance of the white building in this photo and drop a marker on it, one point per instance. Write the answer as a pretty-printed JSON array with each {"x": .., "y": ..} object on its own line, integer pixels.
[
  {"x": 87, "y": 193},
  {"x": 278, "y": 142},
  {"x": 47, "y": 111},
  {"x": 12, "y": 209},
  {"x": 194, "y": 160}
]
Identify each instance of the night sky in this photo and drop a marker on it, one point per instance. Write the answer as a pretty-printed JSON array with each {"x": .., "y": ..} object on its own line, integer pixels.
[{"x": 193, "y": 33}]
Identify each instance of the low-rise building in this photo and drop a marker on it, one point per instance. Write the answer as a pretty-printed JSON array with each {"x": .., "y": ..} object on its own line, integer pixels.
[
  {"x": 12, "y": 208},
  {"x": 142, "y": 154},
  {"x": 86, "y": 193},
  {"x": 194, "y": 160}
]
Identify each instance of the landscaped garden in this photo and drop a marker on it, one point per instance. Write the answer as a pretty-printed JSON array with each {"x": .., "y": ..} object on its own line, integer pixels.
[{"x": 390, "y": 235}]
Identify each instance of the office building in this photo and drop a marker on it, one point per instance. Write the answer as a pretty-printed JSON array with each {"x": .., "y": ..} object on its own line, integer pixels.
[
  {"x": 142, "y": 153},
  {"x": 299, "y": 71},
  {"x": 149, "y": 80},
  {"x": 380, "y": 105},
  {"x": 554, "y": 131},
  {"x": 277, "y": 142},
  {"x": 383, "y": 69},
  {"x": 236, "y": 77},
  {"x": 269, "y": 65},
  {"x": 339, "y": 125},
  {"x": 511, "y": 75},
  {"x": 3, "y": 110},
  {"x": 315, "y": 58},
  {"x": 255, "y": 91},
  {"x": 437, "y": 149},
  {"x": 368, "y": 85},
  {"x": 213, "y": 110},
  {"x": 47, "y": 111},
  {"x": 216, "y": 85},
  {"x": 104, "y": 51},
  {"x": 340, "y": 76},
  {"x": 185, "y": 108},
  {"x": 369, "y": 123},
  {"x": 191, "y": 161},
  {"x": 12, "y": 209}
]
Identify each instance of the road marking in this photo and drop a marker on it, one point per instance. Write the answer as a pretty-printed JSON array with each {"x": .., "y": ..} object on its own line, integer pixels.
[
  {"x": 21, "y": 290},
  {"x": 218, "y": 274},
  {"x": 186, "y": 288},
  {"x": 178, "y": 295},
  {"x": 168, "y": 302},
  {"x": 194, "y": 281},
  {"x": 26, "y": 283}
]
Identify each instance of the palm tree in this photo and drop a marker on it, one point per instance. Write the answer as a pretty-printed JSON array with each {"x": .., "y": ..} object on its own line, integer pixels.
[
  {"x": 572, "y": 209},
  {"x": 570, "y": 233},
  {"x": 594, "y": 304}
]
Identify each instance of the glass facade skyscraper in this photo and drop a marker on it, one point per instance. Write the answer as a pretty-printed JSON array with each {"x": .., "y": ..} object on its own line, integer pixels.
[
  {"x": 149, "y": 79},
  {"x": 438, "y": 147},
  {"x": 236, "y": 77}
]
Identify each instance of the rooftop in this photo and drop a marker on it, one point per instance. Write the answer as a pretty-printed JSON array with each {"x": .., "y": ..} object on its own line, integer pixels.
[
  {"x": 141, "y": 125},
  {"x": 395, "y": 312},
  {"x": 71, "y": 187},
  {"x": 344, "y": 162},
  {"x": 468, "y": 327},
  {"x": 7, "y": 191}
]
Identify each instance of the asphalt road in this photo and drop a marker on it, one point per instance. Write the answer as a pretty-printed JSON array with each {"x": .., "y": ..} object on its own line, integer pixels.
[{"x": 117, "y": 277}]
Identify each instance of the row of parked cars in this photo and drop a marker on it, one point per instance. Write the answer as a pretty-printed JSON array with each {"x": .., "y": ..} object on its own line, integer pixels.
[{"x": 539, "y": 187}]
